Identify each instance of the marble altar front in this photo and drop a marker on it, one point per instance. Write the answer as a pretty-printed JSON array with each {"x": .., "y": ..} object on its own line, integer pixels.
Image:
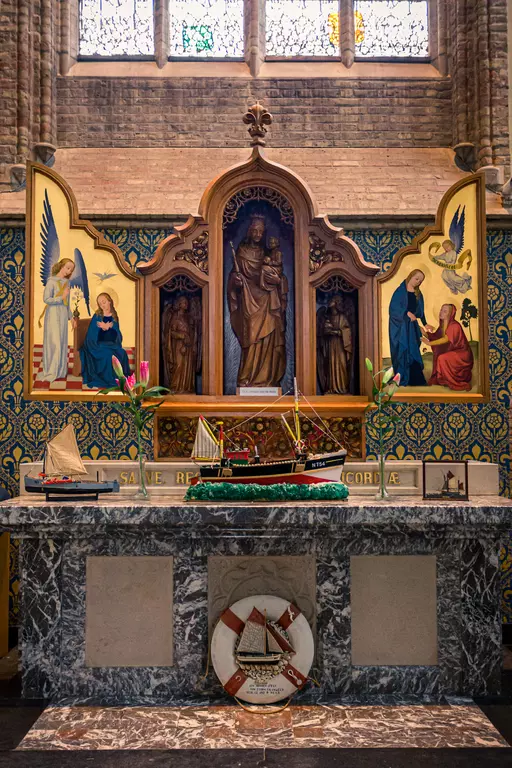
[{"x": 115, "y": 594}]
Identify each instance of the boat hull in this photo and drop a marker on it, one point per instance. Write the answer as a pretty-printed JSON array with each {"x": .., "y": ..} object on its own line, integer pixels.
[
  {"x": 318, "y": 469},
  {"x": 37, "y": 485}
]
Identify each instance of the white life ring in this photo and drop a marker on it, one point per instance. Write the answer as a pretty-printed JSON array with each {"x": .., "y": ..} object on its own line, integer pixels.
[{"x": 225, "y": 637}]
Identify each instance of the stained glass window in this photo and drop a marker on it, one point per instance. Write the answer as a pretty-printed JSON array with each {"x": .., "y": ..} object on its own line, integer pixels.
[
  {"x": 207, "y": 28},
  {"x": 391, "y": 28},
  {"x": 302, "y": 28},
  {"x": 116, "y": 28}
]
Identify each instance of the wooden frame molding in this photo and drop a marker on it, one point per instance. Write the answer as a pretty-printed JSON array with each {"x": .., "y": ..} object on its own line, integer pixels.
[
  {"x": 438, "y": 229},
  {"x": 348, "y": 263},
  {"x": 75, "y": 222}
]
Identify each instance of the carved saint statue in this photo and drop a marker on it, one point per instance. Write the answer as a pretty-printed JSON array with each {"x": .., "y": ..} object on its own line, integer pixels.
[
  {"x": 334, "y": 348},
  {"x": 181, "y": 344},
  {"x": 257, "y": 295}
]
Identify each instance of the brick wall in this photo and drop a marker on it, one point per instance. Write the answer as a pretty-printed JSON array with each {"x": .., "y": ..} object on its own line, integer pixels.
[
  {"x": 8, "y": 99},
  {"x": 130, "y": 112}
]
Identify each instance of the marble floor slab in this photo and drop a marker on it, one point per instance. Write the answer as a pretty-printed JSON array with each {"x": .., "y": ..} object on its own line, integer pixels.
[{"x": 225, "y": 727}]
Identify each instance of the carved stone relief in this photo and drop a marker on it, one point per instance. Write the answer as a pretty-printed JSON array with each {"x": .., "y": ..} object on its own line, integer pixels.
[{"x": 233, "y": 578}]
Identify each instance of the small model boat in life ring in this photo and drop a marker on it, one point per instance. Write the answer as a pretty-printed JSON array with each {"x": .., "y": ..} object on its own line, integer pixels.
[{"x": 262, "y": 649}]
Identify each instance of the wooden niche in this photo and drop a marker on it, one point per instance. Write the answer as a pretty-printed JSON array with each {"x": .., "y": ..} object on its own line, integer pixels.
[{"x": 258, "y": 255}]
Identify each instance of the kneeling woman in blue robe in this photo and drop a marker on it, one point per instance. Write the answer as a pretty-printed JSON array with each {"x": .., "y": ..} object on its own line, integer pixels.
[
  {"x": 405, "y": 309},
  {"x": 103, "y": 340}
]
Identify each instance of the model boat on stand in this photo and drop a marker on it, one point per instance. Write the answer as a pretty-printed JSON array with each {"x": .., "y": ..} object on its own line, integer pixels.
[
  {"x": 235, "y": 465},
  {"x": 63, "y": 469}
]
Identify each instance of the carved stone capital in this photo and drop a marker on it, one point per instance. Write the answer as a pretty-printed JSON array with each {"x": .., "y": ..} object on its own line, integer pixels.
[
  {"x": 44, "y": 153},
  {"x": 465, "y": 156},
  {"x": 18, "y": 174}
]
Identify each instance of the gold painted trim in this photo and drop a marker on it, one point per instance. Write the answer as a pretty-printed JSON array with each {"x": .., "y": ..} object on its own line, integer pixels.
[
  {"x": 100, "y": 243},
  {"x": 438, "y": 229}
]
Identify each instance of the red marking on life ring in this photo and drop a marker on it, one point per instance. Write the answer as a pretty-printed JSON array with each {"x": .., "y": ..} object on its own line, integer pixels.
[
  {"x": 232, "y": 621},
  {"x": 235, "y": 682},
  {"x": 289, "y": 616},
  {"x": 294, "y": 676}
]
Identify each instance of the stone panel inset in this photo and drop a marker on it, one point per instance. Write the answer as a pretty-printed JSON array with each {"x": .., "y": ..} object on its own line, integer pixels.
[
  {"x": 288, "y": 576},
  {"x": 394, "y": 614},
  {"x": 129, "y": 612}
]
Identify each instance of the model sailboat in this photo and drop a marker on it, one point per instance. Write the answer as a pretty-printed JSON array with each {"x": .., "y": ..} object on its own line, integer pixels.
[
  {"x": 261, "y": 643},
  {"x": 63, "y": 469},
  {"x": 236, "y": 466}
]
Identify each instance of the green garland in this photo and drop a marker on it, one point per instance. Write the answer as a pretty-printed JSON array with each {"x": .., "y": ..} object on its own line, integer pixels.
[{"x": 276, "y": 492}]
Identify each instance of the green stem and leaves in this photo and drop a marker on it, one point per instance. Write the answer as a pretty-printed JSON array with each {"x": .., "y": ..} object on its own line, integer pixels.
[
  {"x": 385, "y": 385},
  {"x": 137, "y": 394}
]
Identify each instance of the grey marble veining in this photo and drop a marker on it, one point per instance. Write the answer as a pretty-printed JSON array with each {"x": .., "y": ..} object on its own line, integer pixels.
[
  {"x": 170, "y": 513},
  {"x": 56, "y": 540}
]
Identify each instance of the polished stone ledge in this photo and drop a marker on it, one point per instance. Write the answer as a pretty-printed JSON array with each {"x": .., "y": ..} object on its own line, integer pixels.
[{"x": 27, "y": 516}]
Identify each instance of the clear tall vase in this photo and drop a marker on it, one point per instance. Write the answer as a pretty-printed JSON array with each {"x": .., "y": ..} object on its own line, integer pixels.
[
  {"x": 142, "y": 492},
  {"x": 382, "y": 493}
]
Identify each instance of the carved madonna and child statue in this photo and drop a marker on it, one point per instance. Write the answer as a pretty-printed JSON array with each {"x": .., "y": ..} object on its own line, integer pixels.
[{"x": 257, "y": 297}]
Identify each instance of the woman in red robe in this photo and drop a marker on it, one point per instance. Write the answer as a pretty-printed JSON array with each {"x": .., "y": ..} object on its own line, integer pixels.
[{"x": 453, "y": 358}]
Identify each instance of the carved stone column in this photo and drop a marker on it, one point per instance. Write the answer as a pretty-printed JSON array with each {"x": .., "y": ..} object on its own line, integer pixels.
[
  {"x": 347, "y": 32},
  {"x": 48, "y": 73},
  {"x": 69, "y": 26},
  {"x": 24, "y": 81},
  {"x": 254, "y": 34},
  {"x": 162, "y": 32},
  {"x": 477, "y": 43}
]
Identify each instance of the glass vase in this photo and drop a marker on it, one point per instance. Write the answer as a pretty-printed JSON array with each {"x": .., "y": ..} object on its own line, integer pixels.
[
  {"x": 142, "y": 492},
  {"x": 382, "y": 494}
]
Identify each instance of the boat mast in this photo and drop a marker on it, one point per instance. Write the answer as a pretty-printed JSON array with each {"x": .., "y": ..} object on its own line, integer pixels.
[
  {"x": 220, "y": 425},
  {"x": 297, "y": 422}
]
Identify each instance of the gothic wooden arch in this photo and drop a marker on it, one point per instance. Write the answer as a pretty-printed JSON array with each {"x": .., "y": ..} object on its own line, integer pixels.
[{"x": 320, "y": 251}]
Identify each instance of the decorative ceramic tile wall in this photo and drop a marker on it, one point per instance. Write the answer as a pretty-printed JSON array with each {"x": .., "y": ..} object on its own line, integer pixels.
[{"x": 432, "y": 431}]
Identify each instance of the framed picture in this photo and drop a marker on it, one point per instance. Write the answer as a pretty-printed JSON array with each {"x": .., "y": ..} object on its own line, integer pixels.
[
  {"x": 83, "y": 301},
  {"x": 445, "y": 480},
  {"x": 433, "y": 304}
]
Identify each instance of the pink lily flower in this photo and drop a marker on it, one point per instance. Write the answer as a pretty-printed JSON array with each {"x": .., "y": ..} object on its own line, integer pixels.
[
  {"x": 396, "y": 379},
  {"x": 118, "y": 368},
  {"x": 130, "y": 382},
  {"x": 144, "y": 373}
]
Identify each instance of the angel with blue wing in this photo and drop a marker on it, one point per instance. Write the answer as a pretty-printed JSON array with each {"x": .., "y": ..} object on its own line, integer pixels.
[
  {"x": 58, "y": 277},
  {"x": 453, "y": 256}
]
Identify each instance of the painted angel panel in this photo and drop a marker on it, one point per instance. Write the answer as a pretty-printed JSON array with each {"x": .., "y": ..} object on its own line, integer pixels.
[
  {"x": 453, "y": 255},
  {"x": 431, "y": 294},
  {"x": 79, "y": 296},
  {"x": 58, "y": 276}
]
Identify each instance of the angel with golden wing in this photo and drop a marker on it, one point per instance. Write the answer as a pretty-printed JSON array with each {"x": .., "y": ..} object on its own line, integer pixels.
[
  {"x": 453, "y": 255},
  {"x": 58, "y": 276}
]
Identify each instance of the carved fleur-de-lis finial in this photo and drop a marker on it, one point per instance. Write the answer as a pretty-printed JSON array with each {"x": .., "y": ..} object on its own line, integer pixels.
[{"x": 257, "y": 117}]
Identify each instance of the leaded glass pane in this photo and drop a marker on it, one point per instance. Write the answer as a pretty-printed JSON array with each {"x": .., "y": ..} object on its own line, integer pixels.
[
  {"x": 302, "y": 28},
  {"x": 207, "y": 28},
  {"x": 116, "y": 28},
  {"x": 391, "y": 28}
]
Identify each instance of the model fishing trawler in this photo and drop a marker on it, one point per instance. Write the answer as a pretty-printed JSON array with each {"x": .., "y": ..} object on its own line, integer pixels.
[
  {"x": 63, "y": 469},
  {"x": 237, "y": 466}
]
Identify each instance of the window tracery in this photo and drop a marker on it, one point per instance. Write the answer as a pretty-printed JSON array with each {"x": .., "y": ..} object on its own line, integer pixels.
[
  {"x": 116, "y": 28},
  {"x": 302, "y": 28},
  {"x": 214, "y": 29},
  {"x": 391, "y": 28},
  {"x": 207, "y": 28}
]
